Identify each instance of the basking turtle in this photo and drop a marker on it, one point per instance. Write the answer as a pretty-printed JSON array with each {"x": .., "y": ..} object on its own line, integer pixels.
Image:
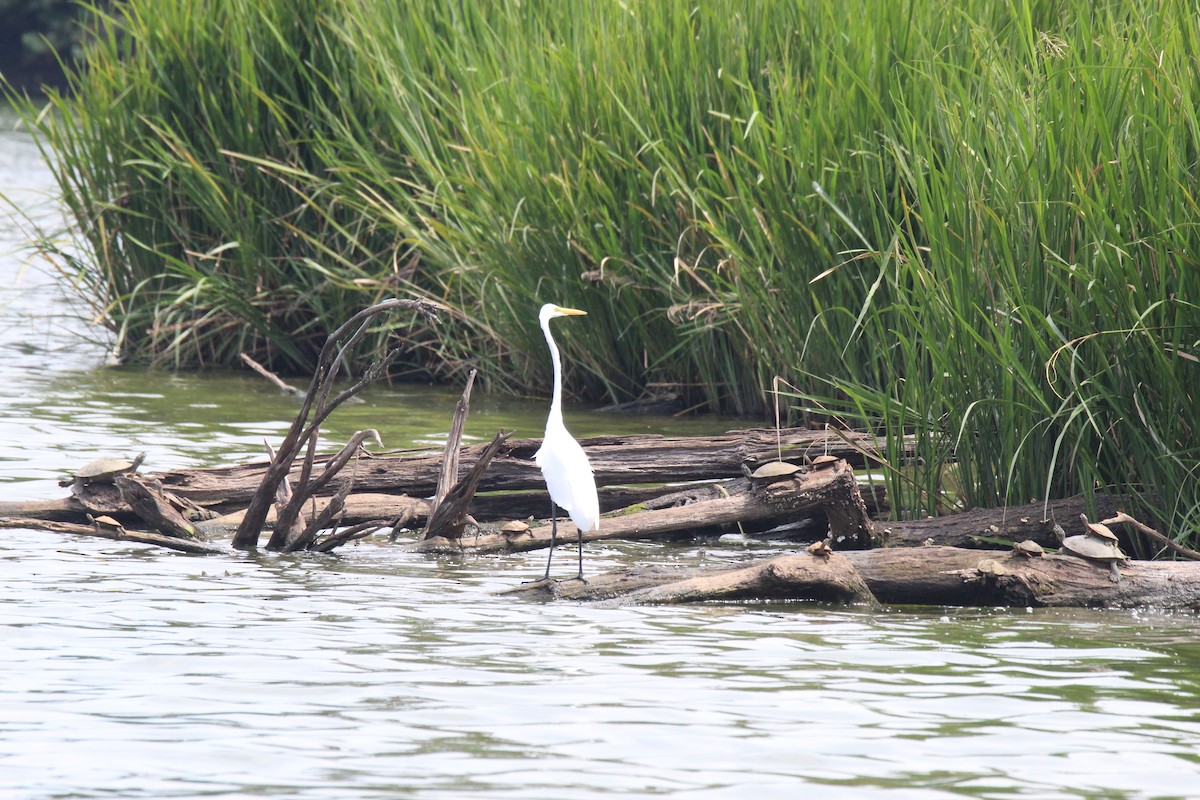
[
  {"x": 1095, "y": 547},
  {"x": 824, "y": 462},
  {"x": 1028, "y": 549},
  {"x": 102, "y": 470},
  {"x": 820, "y": 549},
  {"x": 1099, "y": 529},
  {"x": 106, "y": 523},
  {"x": 774, "y": 470},
  {"x": 515, "y": 526}
]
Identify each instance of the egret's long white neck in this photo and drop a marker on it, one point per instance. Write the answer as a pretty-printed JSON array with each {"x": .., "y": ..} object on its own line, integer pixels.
[{"x": 556, "y": 398}]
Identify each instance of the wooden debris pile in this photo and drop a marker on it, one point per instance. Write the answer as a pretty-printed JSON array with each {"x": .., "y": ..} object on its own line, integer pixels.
[{"x": 798, "y": 486}]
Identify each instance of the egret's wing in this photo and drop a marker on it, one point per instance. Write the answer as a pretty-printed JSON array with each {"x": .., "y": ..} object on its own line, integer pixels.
[{"x": 569, "y": 478}]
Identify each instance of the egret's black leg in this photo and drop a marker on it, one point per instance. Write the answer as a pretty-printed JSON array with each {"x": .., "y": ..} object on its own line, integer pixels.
[
  {"x": 580, "y": 575},
  {"x": 553, "y": 536}
]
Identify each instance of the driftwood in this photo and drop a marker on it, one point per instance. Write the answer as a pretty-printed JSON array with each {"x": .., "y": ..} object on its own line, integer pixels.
[
  {"x": 291, "y": 531},
  {"x": 826, "y": 578},
  {"x": 924, "y": 575},
  {"x": 274, "y": 379},
  {"x": 449, "y": 515},
  {"x": 650, "y": 486},
  {"x": 624, "y": 460},
  {"x": 116, "y": 533},
  {"x": 1154, "y": 536},
  {"x": 992, "y": 527},
  {"x": 449, "y": 510},
  {"x": 147, "y": 500},
  {"x": 358, "y": 509},
  {"x": 819, "y": 490},
  {"x": 319, "y": 402}
]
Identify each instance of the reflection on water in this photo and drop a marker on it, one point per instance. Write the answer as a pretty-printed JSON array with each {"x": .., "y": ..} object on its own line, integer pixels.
[{"x": 379, "y": 673}]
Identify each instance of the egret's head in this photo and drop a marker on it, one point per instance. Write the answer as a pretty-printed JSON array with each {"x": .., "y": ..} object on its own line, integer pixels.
[{"x": 550, "y": 311}]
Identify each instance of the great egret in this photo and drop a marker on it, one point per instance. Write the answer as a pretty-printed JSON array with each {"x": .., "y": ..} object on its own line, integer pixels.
[{"x": 563, "y": 463}]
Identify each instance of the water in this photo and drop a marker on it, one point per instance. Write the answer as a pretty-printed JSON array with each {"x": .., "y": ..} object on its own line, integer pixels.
[{"x": 375, "y": 672}]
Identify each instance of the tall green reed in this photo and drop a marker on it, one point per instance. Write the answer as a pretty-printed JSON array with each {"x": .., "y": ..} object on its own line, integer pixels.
[{"x": 971, "y": 222}]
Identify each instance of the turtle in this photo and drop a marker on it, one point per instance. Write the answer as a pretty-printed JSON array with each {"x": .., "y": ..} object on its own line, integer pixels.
[
  {"x": 515, "y": 526},
  {"x": 103, "y": 470},
  {"x": 774, "y": 470},
  {"x": 106, "y": 523},
  {"x": 1099, "y": 529},
  {"x": 820, "y": 549},
  {"x": 1095, "y": 547},
  {"x": 824, "y": 462},
  {"x": 1028, "y": 549}
]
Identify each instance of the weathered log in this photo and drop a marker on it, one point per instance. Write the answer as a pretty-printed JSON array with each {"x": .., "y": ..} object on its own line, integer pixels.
[
  {"x": 615, "y": 460},
  {"x": 118, "y": 534},
  {"x": 831, "y": 579},
  {"x": 66, "y": 509},
  {"x": 516, "y": 505},
  {"x": 450, "y": 516},
  {"x": 146, "y": 500},
  {"x": 910, "y": 575},
  {"x": 955, "y": 576},
  {"x": 448, "y": 474},
  {"x": 358, "y": 509},
  {"x": 982, "y": 527},
  {"x": 833, "y": 488}
]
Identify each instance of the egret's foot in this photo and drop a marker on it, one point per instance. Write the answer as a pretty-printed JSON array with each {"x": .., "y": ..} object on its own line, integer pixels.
[
  {"x": 537, "y": 580},
  {"x": 580, "y": 578}
]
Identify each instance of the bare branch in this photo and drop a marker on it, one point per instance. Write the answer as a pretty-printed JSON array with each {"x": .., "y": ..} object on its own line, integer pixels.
[
  {"x": 448, "y": 475},
  {"x": 360, "y": 531},
  {"x": 1153, "y": 535},
  {"x": 286, "y": 528},
  {"x": 284, "y": 387},
  {"x": 301, "y": 432}
]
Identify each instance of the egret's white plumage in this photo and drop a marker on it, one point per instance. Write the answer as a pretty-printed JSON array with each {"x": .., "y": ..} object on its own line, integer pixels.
[{"x": 563, "y": 463}]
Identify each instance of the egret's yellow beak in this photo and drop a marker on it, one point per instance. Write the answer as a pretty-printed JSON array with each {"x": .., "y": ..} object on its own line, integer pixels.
[{"x": 570, "y": 312}]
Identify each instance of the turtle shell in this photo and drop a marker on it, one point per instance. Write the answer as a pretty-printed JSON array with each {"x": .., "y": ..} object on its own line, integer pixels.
[
  {"x": 820, "y": 549},
  {"x": 1093, "y": 547},
  {"x": 108, "y": 468},
  {"x": 103, "y": 468},
  {"x": 774, "y": 469},
  {"x": 821, "y": 462},
  {"x": 1099, "y": 529},
  {"x": 515, "y": 526},
  {"x": 1028, "y": 548},
  {"x": 105, "y": 521}
]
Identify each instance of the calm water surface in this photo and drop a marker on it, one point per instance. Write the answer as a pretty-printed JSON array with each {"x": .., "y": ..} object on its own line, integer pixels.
[{"x": 378, "y": 673}]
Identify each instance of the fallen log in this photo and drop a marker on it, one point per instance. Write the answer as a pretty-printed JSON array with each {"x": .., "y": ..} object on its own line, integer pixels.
[
  {"x": 901, "y": 575},
  {"x": 65, "y": 509},
  {"x": 832, "y": 491},
  {"x": 485, "y": 507},
  {"x": 826, "y": 578},
  {"x": 643, "y": 459},
  {"x": 986, "y": 527},
  {"x": 146, "y": 500},
  {"x": 358, "y": 509},
  {"x": 117, "y": 534},
  {"x": 953, "y": 576}
]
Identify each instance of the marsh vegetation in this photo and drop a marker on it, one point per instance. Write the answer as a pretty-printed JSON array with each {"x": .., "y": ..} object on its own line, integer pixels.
[{"x": 972, "y": 222}]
